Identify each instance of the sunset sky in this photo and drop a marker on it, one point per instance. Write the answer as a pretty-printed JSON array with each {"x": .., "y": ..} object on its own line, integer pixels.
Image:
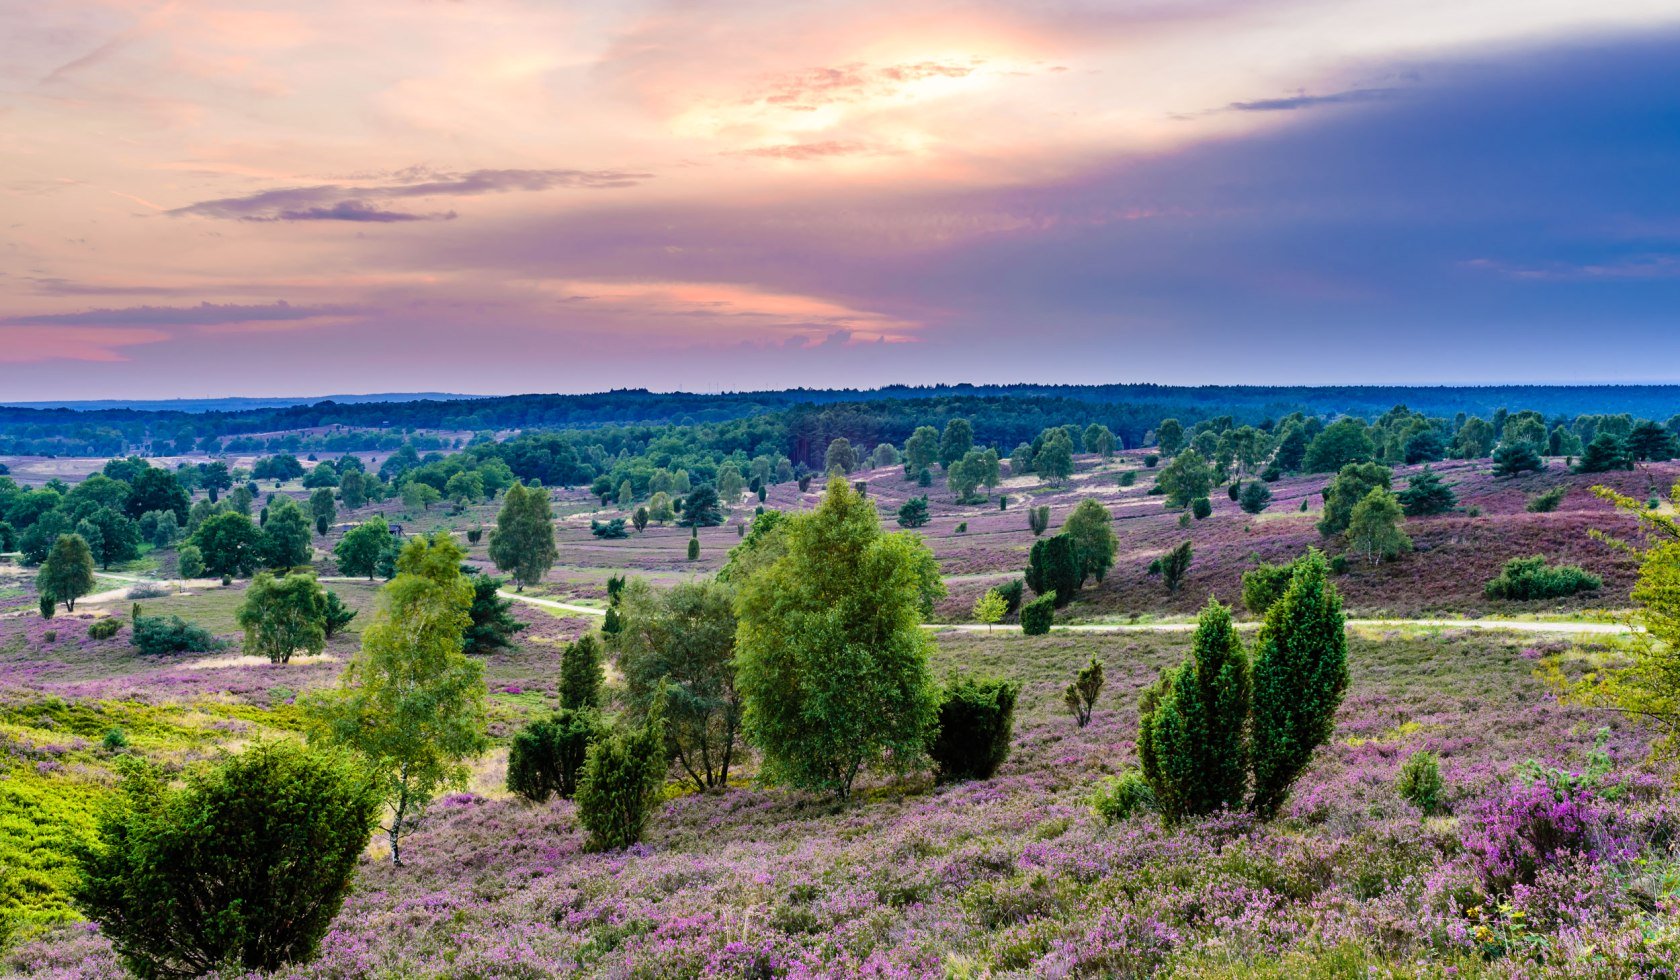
[{"x": 215, "y": 197}]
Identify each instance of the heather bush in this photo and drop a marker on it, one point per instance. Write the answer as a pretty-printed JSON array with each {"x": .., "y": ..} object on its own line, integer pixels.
[
  {"x": 621, "y": 778},
  {"x": 546, "y": 756},
  {"x": 1081, "y": 695},
  {"x": 976, "y": 723},
  {"x": 1517, "y": 833},
  {"x": 158, "y": 635},
  {"x": 1120, "y": 797},
  {"x": 104, "y": 628},
  {"x": 242, "y": 869},
  {"x": 1191, "y": 736},
  {"x": 1531, "y": 578},
  {"x": 1420, "y": 782},
  {"x": 1039, "y": 615}
]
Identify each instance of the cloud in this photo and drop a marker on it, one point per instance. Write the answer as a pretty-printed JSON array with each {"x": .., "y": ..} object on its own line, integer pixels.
[
  {"x": 811, "y": 151},
  {"x": 1304, "y": 101},
  {"x": 202, "y": 315},
  {"x": 809, "y": 90},
  {"x": 344, "y": 202},
  {"x": 33, "y": 345}
]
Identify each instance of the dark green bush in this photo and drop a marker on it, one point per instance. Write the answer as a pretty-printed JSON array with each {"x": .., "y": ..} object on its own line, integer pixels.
[
  {"x": 1012, "y": 592},
  {"x": 548, "y": 754},
  {"x": 620, "y": 783},
  {"x": 158, "y": 635},
  {"x": 1201, "y": 507},
  {"x": 1531, "y": 578},
  {"x": 1039, "y": 615},
  {"x": 976, "y": 722},
  {"x": 693, "y": 548},
  {"x": 1264, "y": 584},
  {"x": 104, "y": 628},
  {"x": 1128, "y": 478},
  {"x": 1547, "y": 502},
  {"x": 1150, "y": 459},
  {"x": 1081, "y": 695},
  {"x": 241, "y": 870},
  {"x": 1191, "y": 724}
]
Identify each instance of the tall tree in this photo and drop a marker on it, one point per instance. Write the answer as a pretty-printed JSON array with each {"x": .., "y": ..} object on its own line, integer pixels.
[
  {"x": 281, "y": 616},
  {"x": 1374, "y": 527},
  {"x": 232, "y": 546},
  {"x": 956, "y": 441},
  {"x": 286, "y": 535},
  {"x": 1090, "y": 526},
  {"x": 1192, "y": 735},
  {"x": 410, "y": 703},
  {"x": 1186, "y": 478},
  {"x": 322, "y": 508},
  {"x": 67, "y": 573},
  {"x": 1351, "y": 485},
  {"x": 492, "y": 623},
  {"x": 1425, "y": 494},
  {"x": 840, "y": 456},
  {"x": 831, "y": 657},
  {"x": 921, "y": 450},
  {"x": 523, "y": 542},
  {"x": 157, "y": 489},
  {"x": 363, "y": 547}
]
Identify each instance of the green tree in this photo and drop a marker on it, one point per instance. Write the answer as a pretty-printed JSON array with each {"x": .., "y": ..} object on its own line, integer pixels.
[
  {"x": 1186, "y": 478},
  {"x": 1053, "y": 565},
  {"x": 1299, "y": 675},
  {"x": 546, "y": 757},
  {"x": 1173, "y": 566},
  {"x": 230, "y": 543},
  {"x": 410, "y": 703},
  {"x": 364, "y": 547},
  {"x": 286, "y": 535},
  {"x": 840, "y": 456},
  {"x": 681, "y": 643},
  {"x": 492, "y": 623},
  {"x": 1098, "y": 438},
  {"x": 1192, "y": 739},
  {"x": 354, "y": 488},
  {"x": 976, "y": 725},
  {"x": 1474, "y": 439},
  {"x": 1091, "y": 527},
  {"x": 700, "y": 508},
  {"x": 1080, "y": 696},
  {"x": 620, "y": 782},
  {"x": 1351, "y": 485},
  {"x": 522, "y": 543},
  {"x": 831, "y": 657},
  {"x": 1606, "y": 452},
  {"x": 189, "y": 562},
  {"x": 1374, "y": 529},
  {"x": 463, "y": 488},
  {"x": 113, "y": 537},
  {"x": 338, "y": 615},
  {"x": 1513, "y": 458},
  {"x": 1344, "y": 441},
  {"x": 281, "y": 616},
  {"x": 581, "y": 673},
  {"x": 1254, "y": 497},
  {"x": 1425, "y": 494},
  {"x": 990, "y": 608},
  {"x": 157, "y": 489},
  {"x": 913, "y": 512},
  {"x": 1039, "y": 615},
  {"x": 955, "y": 441},
  {"x": 421, "y": 496},
  {"x": 1054, "y": 459},
  {"x": 1169, "y": 436},
  {"x": 67, "y": 574},
  {"x": 1649, "y": 440},
  {"x": 241, "y": 870},
  {"x": 322, "y": 508},
  {"x": 921, "y": 450}
]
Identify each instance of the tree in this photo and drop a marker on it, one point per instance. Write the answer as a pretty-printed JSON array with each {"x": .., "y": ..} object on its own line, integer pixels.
[
  {"x": 913, "y": 512},
  {"x": 1291, "y": 451},
  {"x": 354, "y": 488},
  {"x": 1054, "y": 459},
  {"x": 547, "y": 755},
  {"x": 214, "y": 477},
  {"x": 67, "y": 574},
  {"x": 1344, "y": 441},
  {"x": 1474, "y": 439},
  {"x": 1606, "y": 452},
  {"x": 523, "y": 542},
  {"x": 990, "y": 608},
  {"x": 1081, "y": 695},
  {"x": 322, "y": 508},
  {"x": 463, "y": 488},
  {"x": 976, "y": 724},
  {"x": 1186, "y": 478},
  {"x": 1254, "y": 497},
  {"x": 242, "y": 870},
  {"x": 1513, "y": 458},
  {"x": 113, "y": 537},
  {"x": 921, "y": 450},
  {"x": 1299, "y": 675},
  {"x": 157, "y": 489},
  {"x": 281, "y": 616},
  {"x": 639, "y": 519},
  {"x": 1374, "y": 529},
  {"x": 1351, "y": 485},
  {"x": 700, "y": 508},
  {"x": 831, "y": 657},
  {"x": 659, "y": 508},
  {"x": 885, "y": 455},
  {"x": 286, "y": 535},
  {"x": 1053, "y": 565},
  {"x": 1192, "y": 738},
  {"x": 1098, "y": 438},
  {"x": 410, "y": 703},
  {"x": 338, "y": 615},
  {"x": 1169, "y": 435},
  {"x": 1562, "y": 442},
  {"x": 363, "y": 547},
  {"x": 190, "y": 562},
  {"x": 1038, "y": 519},
  {"x": 1425, "y": 446},
  {"x": 1649, "y": 440},
  {"x": 620, "y": 782},
  {"x": 1425, "y": 494},
  {"x": 1091, "y": 528},
  {"x": 730, "y": 485},
  {"x": 840, "y": 456},
  {"x": 581, "y": 673},
  {"x": 1039, "y": 615},
  {"x": 232, "y": 546},
  {"x": 491, "y": 624},
  {"x": 417, "y": 495},
  {"x": 681, "y": 643},
  {"x": 967, "y": 474},
  {"x": 324, "y": 474},
  {"x": 1173, "y": 566},
  {"x": 955, "y": 441}
]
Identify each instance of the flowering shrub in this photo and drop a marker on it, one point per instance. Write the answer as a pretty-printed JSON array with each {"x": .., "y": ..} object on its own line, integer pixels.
[{"x": 1516, "y": 834}]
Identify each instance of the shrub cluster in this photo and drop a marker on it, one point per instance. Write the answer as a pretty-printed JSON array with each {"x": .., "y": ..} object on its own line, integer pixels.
[
  {"x": 1039, "y": 615},
  {"x": 976, "y": 723},
  {"x": 155, "y": 636},
  {"x": 1531, "y": 578},
  {"x": 621, "y": 779},
  {"x": 547, "y": 755}
]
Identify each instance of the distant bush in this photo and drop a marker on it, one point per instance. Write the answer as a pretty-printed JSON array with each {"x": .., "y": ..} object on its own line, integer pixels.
[
  {"x": 241, "y": 870},
  {"x": 1231, "y": 491},
  {"x": 155, "y": 636},
  {"x": 1264, "y": 584},
  {"x": 1531, "y": 578},
  {"x": 105, "y": 628},
  {"x": 148, "y": 590},
  {"x": 962, "y": 528},
  {"x": 1039, "y": 615},
  {"x": 976, "y": 723},
  {"x": 1173, "y": 566},
  {"x": 1547, "y": 502},
  {"x": 1081, "y": 695},
  {"x": 693, "y": 548},
  {"x": 1255, "y": 497},
  {"x": 913, "y": 512},
  {"x": 1128, "y": 478},
  {"x": 620, "y": 783},
  {"x": 1012, "y": 592},
  {"x": 609, "y": 529},
  {"x": 1420, "y": 782},
  {"x": 190, "y": 561},
  {"x": 1118, "y": 798},
  {"x": 1150, "y": 459},
  {"x": 1201, "y": 507},
  {"x": 547, "y": 755}
]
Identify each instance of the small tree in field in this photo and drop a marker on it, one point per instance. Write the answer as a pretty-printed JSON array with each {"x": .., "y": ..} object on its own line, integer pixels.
[
  {"x": 976, "y": 722},
  {"x": 1374, "y": 529},
  {"x": 523, "y": 542},
  {"x": 361, "y": 549},
  {"x": 1039, "y": 615},
  {"x": 547, "y": 756},
  {"x": 990, "y": 608},
  {"x": 1092, "y": 530},
  {"x": 1173, "y": 566},
  {"x": 831, "y": 657},
  {"x": 1081, "y": 695},
  {"x": 581, "y": 674},
  {"x": 1425, "y": 494},
  {"x": 913, "y": 512},
  {"x": 1038, "y": 519},
  {"x": 1254, "y": 497},
  {"x": 1192, "y": 732},
  {"x": 620, "y": 782},
  {"x": 67, "y": 574},
  {"x": 1513, "y": 458},
  {"x": 281, "y": 616}
]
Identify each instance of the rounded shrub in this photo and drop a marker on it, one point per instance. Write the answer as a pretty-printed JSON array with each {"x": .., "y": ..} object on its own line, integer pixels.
[
  {"x": 1420, "y": 782},
  {"x": 104, "y": 628},
  {"x": 190, "y": 561},
  {"x": 547, "y": 755},
  {"x": 1531, "y": 578},
  {"x": 242, "y": 869},
  {"x": 622, "y": 775},
  {"x": 1201, "y": 507},
  {"x": 693, "y": 548},
  {"x": 48, "y": 606},
  {"x": 976, "y": 723},
  {"x": 1118, "y": 798},
  {"x": 1039, "y": 615}
]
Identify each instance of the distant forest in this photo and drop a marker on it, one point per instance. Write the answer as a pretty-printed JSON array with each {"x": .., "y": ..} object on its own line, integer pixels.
[{"x": 802, "y": 421}]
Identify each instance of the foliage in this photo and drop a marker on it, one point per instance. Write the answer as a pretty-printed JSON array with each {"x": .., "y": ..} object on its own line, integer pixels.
[
  {"x": 1011, "y": 592},
  {"x": 1515, "y": 836},
  {"x": 990, "y": 608},
  {"x": 189, "y": 561},
  {"x": 831, "y": 657},
  {"x": 230, "y": 543},
  {"x": 410, "y": 703},
  {"x": 1090, "y": 528},
  {"x": 1201, "y": 508},
  {"x": 1188, "y": 477},
  {"x": 1545, "y": 503},
  {"x": 913, "y": 512},
  {"x": 1265, "y": 584},
  {"x": 976, "y": 723},
  {"x": 1420, "y": 783},
  {"x": 1425, "y": 495},
  {"x": 104, "y": 628},
  {"x": 155, "y": 636},
  {"x": 491, "y": 625},
  {"x": 840, "y": 456},
  {"x": 1038, "y": 519},
  {"x": 67, "y": 574},
  {"x": 620, "y": 782},
  {"x": 1353, "y": 483},
  {"x": 1514, "y": 458},
  {"x": 679, "y": 644},
  {"x": 286, "y": 535},
  {"x": 1605, "y": 453},
  {"x": 700, "y": 508},
  {"x": 1173, "y": 566},
  {"x": 1254, "y": 497},
  {"x": 546, "y": 757},
  {"x": 1039, "y": 615},
  {"x": 1524, "y": 579},
  {"x": 281, "y": 616},
  {"x": 364, "y": 548},
  {"x": 1374, "y": 527},
  {"x": 613, "y": 528},
  {"x": 1117, "y": 799},
  {"x": 338, "y": 615},
  {"x": 1299, "y": 675},
  {"x": 1080, "y": 696},
  {"x": 522, "y": 543},
  {"x": 581, "y": 673},
  {"x": 1192, "y": 735},
  {"x": 1054, "y": 566},
  {"x": 244, "y": 868},
  {"x": 1344, "y": 442}
]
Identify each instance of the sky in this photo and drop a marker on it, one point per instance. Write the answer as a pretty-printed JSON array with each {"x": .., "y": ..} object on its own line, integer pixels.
[{"x": 205, "y": 198}]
